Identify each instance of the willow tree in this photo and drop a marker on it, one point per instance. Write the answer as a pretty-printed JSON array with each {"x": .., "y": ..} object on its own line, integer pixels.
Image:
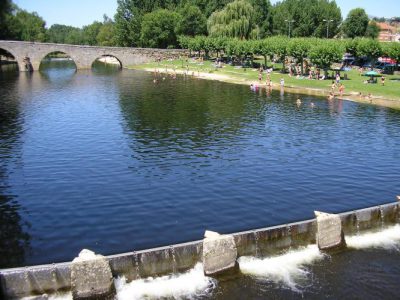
[{"x": 235, "y": 20}]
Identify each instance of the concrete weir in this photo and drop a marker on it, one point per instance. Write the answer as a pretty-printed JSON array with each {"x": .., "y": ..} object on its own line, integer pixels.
[{"x": 38, "y": 280}]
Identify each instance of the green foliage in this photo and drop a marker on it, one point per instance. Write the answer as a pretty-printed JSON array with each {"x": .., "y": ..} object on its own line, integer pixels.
[
  {"x": 192, "y": 21},
  {"x": 392, "y": 50},
  {"x": 372, "y": 31},
  {"x": 6, "y": 9},
  {"x": 58, "y": 33},
  {"x": 128, "y": 23},
  {"x": 158, "y": 29},
  {"x": 106, "y": 36},
  {"x": 26, "y": 26},
  {"x": 308, "y": 17},
  {"x": 263, "y": 16},
  {"x": 351, "y": 46},
  {"x": 324, "y": 53},
  {"x": 369, "y": 48},
  {"x": 236, "y": 20},
  {"x": 356, "y": 23},
  {"x": 90, "y": 33}
]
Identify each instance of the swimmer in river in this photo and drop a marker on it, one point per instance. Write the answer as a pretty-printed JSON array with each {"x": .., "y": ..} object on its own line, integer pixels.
[
  {"x": 312, "y": 104},
  {"x": 298, "y": 102}
]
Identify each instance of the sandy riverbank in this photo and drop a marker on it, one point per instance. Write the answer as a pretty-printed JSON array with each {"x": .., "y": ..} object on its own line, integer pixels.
[{"x": 375, "y": 100}]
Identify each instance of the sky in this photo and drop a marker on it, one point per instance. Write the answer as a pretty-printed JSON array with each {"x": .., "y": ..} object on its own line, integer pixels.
[{"x": 83, "y": 12}]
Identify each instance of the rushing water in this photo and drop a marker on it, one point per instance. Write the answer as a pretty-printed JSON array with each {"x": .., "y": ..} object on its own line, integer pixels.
[{"x": 110, "y": 161}]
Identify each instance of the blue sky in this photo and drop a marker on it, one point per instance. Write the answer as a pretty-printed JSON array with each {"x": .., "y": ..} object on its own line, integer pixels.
[{"x": 83, "y": 12}]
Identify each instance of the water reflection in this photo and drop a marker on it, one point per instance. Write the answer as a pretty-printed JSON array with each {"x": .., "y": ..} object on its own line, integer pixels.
[
  {"x": 103, "y": 144},
  {"x": 14, "y": 238}
]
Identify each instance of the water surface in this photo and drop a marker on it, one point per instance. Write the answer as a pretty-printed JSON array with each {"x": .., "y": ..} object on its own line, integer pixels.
[{"x": 112, "y": 162}]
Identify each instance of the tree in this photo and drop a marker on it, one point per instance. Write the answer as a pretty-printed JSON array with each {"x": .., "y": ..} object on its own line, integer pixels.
[
  {"x": 306, "y": 19},
  {"x": 128, "y": 23},
  {"x": 372, "y": 31},
  {"x": 236, "y": 20},
  {"x": 324, "y": 53},
  {"x": 369, "y": 48},
  {"x": 299, "y": 48},
  {"x": 356, "y": 23},
  {"x": 393, "y": 51},
  {"x": 6, "y": 9},
  {"x": 74, "y": 36},
  {"x": 58, "y": 33},
  {"x": 106, "y": 36},
  {"x": 158, "y": 29},
  {"x": 29, "y": 26},
  {"x": 90, "y": 33},
  {"x": 192, "y": 21},
  {"x": 263, "y": 16}
]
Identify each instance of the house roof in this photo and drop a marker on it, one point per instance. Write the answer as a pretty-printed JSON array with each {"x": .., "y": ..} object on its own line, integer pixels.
[{"x": 385, "y": 26}]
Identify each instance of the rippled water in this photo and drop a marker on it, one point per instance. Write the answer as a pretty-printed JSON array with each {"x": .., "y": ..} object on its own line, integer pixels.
[{"x": 112, "y": 162}]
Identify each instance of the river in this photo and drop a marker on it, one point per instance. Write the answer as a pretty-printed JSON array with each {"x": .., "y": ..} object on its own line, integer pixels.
[{"x": 108, "y": 160}]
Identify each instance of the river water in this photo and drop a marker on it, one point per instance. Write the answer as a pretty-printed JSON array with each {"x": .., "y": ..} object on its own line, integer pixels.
[{"x": 107, "y": 160}]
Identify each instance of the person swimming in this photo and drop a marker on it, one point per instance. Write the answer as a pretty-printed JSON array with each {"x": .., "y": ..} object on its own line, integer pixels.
[{"x": 298, "y": 102}]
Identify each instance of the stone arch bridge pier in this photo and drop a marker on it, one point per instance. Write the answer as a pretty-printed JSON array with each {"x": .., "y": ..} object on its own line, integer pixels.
[{"x": 29, "y": 55}]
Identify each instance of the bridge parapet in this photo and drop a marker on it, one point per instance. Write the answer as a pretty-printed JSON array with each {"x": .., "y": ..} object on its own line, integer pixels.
[{"x": 32, "y": 53}]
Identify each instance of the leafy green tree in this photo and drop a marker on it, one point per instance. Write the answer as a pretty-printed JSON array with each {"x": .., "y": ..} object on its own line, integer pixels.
[
  {"x": 158, "y": 29},
  {"x": 356, "y": 23},
  {"x": 58, "y": 33},
  {"x": 90, "y": 33},
  {"x": 128, "y": 23},
  {"x": 27, "y": 26},
  {"x": 280, "y": 44},
  {"x": 393, "y": 51},
  {"x": 106, "y": 36},
  {"x": 372, "y": 31},
  {"x": 299, "y": 48},
  {"x": 192, "y": 21},
  {"x": 265, "y": 48},
  {"x": 6, "y": 9},
  {"x": 369, "y": 48},
  {"x": 74, "y": 37},
  {"x": 263, "y": 16},
  {"x": 209, "y": 6},
  {"x": 324, "y": 53},
  {"x": 236, "y": 20},
  {"x": 310, "y": 18},
  {"x": 351, "y": 46}
]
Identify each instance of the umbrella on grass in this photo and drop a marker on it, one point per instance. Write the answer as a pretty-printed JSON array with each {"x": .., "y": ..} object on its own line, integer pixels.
[{"x": 371, "y": 75}]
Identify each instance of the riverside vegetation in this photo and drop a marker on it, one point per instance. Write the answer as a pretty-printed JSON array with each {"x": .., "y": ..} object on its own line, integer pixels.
[{"x": 279, "y": 54}]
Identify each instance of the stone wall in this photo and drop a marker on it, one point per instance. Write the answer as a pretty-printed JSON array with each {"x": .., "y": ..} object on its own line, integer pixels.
[
  {"x": 36, "y": 280},
  {"x": 84, "y": 56}
]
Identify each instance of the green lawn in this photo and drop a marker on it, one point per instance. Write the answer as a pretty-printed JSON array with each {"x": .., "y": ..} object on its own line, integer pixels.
[{"x": 354, "y": 84}]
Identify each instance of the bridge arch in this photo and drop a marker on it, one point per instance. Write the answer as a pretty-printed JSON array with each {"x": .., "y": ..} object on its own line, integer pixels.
[
  {"x": 7, "y": 57},
  {"x": 108, "y": 59},
  {"x": 62, "y": 57}
]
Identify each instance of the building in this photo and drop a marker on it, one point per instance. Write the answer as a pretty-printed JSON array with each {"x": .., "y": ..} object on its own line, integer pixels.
[{"x": 387, "y": 32}]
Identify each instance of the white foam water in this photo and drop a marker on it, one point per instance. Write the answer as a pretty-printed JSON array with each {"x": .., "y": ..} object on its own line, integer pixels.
[
  {"x": 286, "y": 268},
  {"x": 186, "y": 285},
  {"x": 55, "y": 296},
  {"x": 388, "y": 238}
]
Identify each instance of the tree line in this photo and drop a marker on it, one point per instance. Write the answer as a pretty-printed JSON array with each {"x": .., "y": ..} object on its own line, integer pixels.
[
  {"x": 157, "y": 23},
  {"x": 321, "y": 52}
]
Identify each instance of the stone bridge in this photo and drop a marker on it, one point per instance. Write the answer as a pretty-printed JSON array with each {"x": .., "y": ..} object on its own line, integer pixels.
[{"x": 30, "y": 54}]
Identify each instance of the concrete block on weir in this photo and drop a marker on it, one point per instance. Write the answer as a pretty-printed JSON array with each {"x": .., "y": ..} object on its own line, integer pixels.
[
  {"x": 91, "y": 277},
  {"x": 330, "y": 235},
  {"x": 219, "y": 253}
]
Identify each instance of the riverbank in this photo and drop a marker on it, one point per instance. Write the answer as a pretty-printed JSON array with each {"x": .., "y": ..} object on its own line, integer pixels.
[{"x": 355, "y": 88}]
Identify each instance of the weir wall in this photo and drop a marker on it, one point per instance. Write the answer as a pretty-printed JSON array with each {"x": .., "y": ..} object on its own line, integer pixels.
[{"x": 37, "y": 280}]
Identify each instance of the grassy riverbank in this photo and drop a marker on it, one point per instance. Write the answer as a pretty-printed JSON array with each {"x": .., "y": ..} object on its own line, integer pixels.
[{"x": 388, "y": 95}]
